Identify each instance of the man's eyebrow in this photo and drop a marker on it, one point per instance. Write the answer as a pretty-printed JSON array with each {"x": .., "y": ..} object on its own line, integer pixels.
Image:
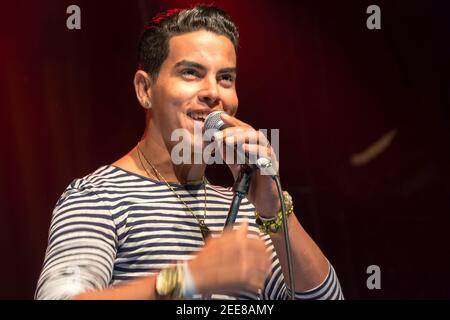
[
  {"x": 192, "y": 64},
  {"x": 228, "y": 70}
]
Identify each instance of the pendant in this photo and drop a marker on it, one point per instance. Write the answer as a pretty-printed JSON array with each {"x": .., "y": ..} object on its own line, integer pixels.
[{"x": 204, "y": 230}]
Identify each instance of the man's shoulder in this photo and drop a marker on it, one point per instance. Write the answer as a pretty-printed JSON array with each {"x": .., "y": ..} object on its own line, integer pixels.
[
  {"x": 95, "y": 179},
  {"x": 103, "y": 179}
]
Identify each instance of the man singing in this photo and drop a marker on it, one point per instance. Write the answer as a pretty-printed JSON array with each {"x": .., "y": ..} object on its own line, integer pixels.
[{"x": 147, "y": 227}]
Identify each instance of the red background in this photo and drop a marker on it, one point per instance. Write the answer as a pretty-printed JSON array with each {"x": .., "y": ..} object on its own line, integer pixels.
[{"x": 309, "y": 68}]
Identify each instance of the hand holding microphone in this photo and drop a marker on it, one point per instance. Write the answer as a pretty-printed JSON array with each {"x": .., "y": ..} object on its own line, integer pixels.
[
  {"x": 252, "y": 147},
  {"x": 255, "y": 148},
  {"x": 265, "y": 191}
]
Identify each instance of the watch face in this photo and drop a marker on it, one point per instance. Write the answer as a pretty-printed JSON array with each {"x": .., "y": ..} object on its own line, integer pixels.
[{"x": 166, "y": 281}]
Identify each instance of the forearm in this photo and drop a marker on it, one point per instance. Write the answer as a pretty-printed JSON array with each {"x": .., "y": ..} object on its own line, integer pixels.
[
  {"x": 139, "y": 289},
  {"x": 309, "y": 264}
]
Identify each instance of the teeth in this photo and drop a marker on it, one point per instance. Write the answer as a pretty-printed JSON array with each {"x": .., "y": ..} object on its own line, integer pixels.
[{"x": 197, "y": 115}]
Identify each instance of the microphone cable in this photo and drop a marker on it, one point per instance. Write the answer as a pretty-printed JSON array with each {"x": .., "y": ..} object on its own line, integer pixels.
[{"x": 287, "y": 244}]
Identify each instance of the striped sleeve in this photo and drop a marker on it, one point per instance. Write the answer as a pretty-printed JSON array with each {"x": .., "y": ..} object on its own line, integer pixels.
[
  {"x": 81, "y": 246},
  {"x": 329, "y": 289}
]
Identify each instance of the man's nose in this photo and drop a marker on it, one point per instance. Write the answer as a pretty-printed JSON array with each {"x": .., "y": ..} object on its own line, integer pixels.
[{"x": 209, "y": 94}]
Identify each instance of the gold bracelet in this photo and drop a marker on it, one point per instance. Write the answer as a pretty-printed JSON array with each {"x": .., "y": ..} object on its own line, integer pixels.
[
  {"x": 169, "y": 282},
  {"x": 274, "y": 224}
]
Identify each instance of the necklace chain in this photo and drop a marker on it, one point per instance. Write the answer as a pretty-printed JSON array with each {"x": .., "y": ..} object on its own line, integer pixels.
[{"x": 201, "y": 221}]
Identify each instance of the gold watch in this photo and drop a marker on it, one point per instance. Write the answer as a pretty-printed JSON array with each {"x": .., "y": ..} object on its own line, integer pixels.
[{"x": 169, "y": 282}]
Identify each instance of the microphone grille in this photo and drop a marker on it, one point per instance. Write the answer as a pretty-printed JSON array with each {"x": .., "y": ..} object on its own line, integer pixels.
[{"x": 213, "y": 121}]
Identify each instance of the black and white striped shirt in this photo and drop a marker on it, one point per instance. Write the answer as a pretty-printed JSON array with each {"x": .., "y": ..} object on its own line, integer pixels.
[{"x": 113, "y": 225}]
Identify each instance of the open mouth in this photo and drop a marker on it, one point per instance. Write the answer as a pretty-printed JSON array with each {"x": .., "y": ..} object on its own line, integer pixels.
[{"x": 198, "y": 116}]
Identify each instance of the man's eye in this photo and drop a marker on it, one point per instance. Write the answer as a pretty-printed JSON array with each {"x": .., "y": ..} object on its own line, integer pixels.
[
  {"x": 227, "y": 78},
  {"x": 189, "y": 73}
]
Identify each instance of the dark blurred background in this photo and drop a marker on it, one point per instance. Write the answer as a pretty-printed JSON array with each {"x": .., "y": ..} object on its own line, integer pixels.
[{"x": 363, "y": 117}]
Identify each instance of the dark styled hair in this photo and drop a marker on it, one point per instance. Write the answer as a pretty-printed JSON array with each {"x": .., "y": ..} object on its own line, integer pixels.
[{"x": 154, "y": 42}]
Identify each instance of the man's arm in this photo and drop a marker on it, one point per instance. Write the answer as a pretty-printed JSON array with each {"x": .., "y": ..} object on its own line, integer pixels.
[
  {"x": 311, "y": 267},
  {"x": 229, "y": 263},
  {"x": 139, "y": 289}
]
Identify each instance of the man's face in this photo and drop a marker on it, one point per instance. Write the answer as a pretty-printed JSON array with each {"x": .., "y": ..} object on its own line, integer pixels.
[{"x": 198, "y": 77}]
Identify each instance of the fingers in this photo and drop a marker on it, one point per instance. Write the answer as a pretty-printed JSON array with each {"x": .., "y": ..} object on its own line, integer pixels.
[
  {"x": 257, "y": 150},
  {"x": 243, "y": 229},
  {"x": 254, "y": 256},
  {"x": 247, "y": 140},
  {"x": 241, "y": 130},
  {"x": 240, "y": 135},
  {"x": 233, "y": 262},
  {"x": 240, "y": 143},
  {"x": 257, "y": 263},
  {"x": 235, "y": 122}
]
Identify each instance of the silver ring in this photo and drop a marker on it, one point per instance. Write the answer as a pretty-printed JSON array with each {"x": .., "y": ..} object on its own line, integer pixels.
[{"x": 263, "y": 163}]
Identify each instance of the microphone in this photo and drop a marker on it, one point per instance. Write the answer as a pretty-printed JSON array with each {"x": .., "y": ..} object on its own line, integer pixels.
[
  {"x": 242, "y": 185},
  {"x": 214, "y": 123}
]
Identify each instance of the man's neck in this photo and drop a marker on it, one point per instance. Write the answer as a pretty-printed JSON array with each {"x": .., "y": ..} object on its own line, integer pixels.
[{"x": 159, "y": 155}]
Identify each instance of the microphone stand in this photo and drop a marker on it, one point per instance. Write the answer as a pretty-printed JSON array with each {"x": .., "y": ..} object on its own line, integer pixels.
[{"x": 240, "y": 189}]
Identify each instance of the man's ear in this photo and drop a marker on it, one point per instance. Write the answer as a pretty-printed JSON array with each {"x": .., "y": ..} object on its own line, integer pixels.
[{"x": 143, "y": 88}]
